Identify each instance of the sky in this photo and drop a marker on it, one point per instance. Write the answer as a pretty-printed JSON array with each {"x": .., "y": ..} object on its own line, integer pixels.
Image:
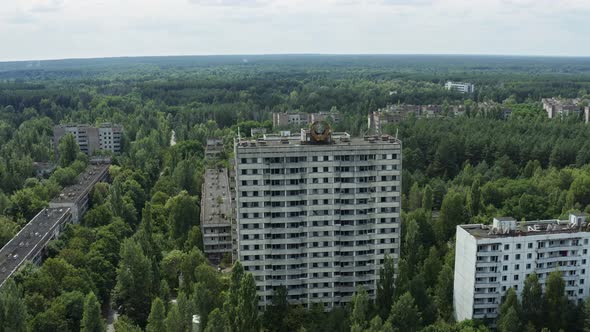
[{"x": 57, "y": 29}]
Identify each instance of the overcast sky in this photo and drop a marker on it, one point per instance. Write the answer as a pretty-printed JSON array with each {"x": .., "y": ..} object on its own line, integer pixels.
[{"x": 54, "y": 29}]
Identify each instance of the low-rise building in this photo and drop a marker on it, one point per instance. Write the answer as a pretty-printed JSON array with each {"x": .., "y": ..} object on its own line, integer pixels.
[
  {"x": 491, "y": 259},
  {"x": 216, "y": 214},
  {"x": 460, "y": 86},
  {"x": 77, "y": 196},
  {"x": 106, "y": 137}
]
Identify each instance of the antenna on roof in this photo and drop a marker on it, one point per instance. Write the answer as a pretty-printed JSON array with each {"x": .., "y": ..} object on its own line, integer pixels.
[{"x": 396, "y": 132}]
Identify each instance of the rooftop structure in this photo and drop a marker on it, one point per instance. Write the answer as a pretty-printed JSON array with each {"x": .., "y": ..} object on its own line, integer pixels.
[
  {"x": 257, "y": 131},
  {"x": 30, "y": 241},
  {"x": 490, "y": 259},
  {"x": 561, "y": 107},
  {"x": 90, "y": 139},
  {"x": 76, "y": 197},
  {"x": 460, "y": 86},
  {"x": 317, "y": 212},
  {"x": 216, "y": 214}
]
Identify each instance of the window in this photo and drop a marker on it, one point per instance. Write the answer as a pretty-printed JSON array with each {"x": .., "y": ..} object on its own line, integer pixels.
[
  {"x": 518, "y": 246},
  {"x": 506, "y": 247}
]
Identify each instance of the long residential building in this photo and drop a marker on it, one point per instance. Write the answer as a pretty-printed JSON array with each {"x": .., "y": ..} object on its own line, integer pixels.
[
  {"x": 491, "y": 259},
  {"x": 217, "y": 216},
  {"x": 30, "y": 242},
  {"x": 90, "y": 139},
  {"x": 317, "y": 213},
  {"x": 76, "y": 197}
]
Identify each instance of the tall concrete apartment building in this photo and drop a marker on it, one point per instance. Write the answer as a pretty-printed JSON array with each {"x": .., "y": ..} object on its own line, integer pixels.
[
  {"x": 491, "y": 259},
  {"x": 460, "y": 86},
  {"x": 105, "y": 137},
  {"x": 317, "y": 213}
]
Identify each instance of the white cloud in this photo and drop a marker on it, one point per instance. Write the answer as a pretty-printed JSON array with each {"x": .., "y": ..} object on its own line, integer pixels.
[{"x": 87, "y": 28}]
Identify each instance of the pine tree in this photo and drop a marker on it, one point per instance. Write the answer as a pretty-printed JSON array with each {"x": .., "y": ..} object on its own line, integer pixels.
[
  {"x": 247, "y": 310},
  {"x": 415, "y": 199},
  {"x": 509, "y": 322},
  {"x": 173, "y": 320},
  {"x": 427, "y": 198},
  {"x": 68, "y": 150},
  {"x": 386, "y": 287},
  {"x": 14, "y": 310},
  {"x": 554, "y": 300},
  {"x": 360, "y": 308},
  {"x": 157, "y": 316},
  {"x": 217, "y": 322},
  {"x": 134, "y": 281},
  {"x": 91, "y": 319},
  {"x": 405, "y": 315},
  {"x": 532, "y": 301}
]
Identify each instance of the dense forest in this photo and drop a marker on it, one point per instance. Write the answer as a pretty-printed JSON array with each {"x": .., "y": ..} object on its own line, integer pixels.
[{"x": 138, "y": 250}]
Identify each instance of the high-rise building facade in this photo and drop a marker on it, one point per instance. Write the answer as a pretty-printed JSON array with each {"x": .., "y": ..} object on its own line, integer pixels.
[
  {"x": 317, "y": 213},
  {"x": 491, "y": 259}
]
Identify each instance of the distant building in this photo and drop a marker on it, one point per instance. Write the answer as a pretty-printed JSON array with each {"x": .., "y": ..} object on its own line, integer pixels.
[
  {"x": 287, "y": 119},
  {"x": 77, "y": 196},
  {"x": 460, "y": 86},
  {"x": 587, "y": 114},
  {"x": 317, "y": 213},
  {"x": 90, "y": 139},
  {"x": 216, "y": 214},
  {"x": 214, "y": 147},
  {"x": 491, "y": 259},
  {"x": 562, "y": 107}
]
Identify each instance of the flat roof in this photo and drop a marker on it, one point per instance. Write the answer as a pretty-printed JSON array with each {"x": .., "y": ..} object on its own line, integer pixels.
[
  {"x": 32, "y": 237},
  {"x": 528, "y": 228},
  {"x": 85, "y": 181},
  {"x": 216, "y": 198},
  {"x": 337, "y": 139}
]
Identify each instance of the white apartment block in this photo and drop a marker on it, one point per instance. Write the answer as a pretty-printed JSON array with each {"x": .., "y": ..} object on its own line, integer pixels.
[
  {"x": 460, "y": 86},
  {"x": 491, "y": 259},
  {"x": 317, "y": 214},
  {"x": 91, "y": 139}
]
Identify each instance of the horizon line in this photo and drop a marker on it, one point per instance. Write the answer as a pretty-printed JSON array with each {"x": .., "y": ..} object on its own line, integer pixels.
[{"x": 299, "y": 54}]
